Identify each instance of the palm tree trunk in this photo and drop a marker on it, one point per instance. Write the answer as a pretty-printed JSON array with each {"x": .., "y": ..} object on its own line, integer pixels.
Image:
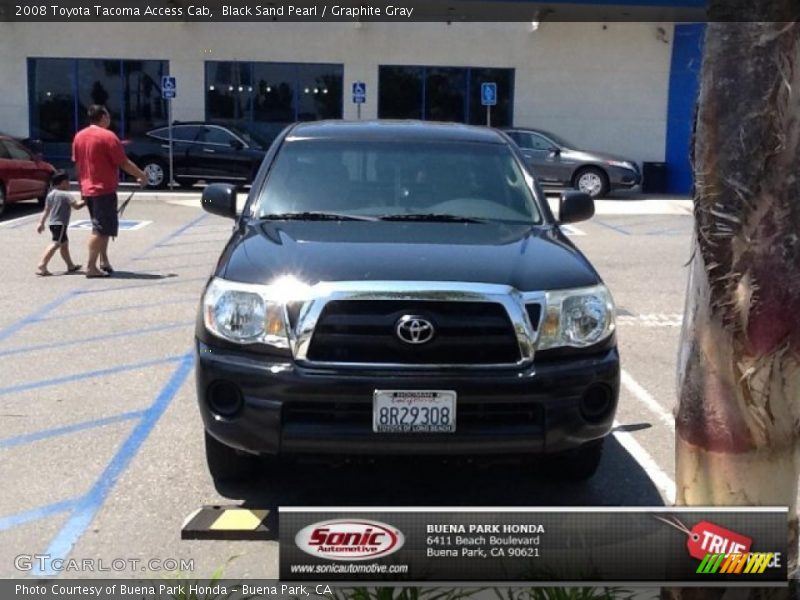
[{"x": 738, "y": 418}]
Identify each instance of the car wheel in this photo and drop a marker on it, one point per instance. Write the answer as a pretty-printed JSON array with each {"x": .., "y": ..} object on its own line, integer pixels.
[
  {"x": 228, "y": 464},
  {"x": 156, "y": 171},
  {"x": 592, "y": 181},
  {"x": 2, "y": 199},
  {"x": 575, "y": 465}
]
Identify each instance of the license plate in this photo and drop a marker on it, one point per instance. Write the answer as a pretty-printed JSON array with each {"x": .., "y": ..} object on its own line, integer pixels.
[{"x": 414, "y": 411}]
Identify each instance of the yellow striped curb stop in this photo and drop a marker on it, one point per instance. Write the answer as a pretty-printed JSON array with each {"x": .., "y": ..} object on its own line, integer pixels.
[{"x": 229, "y": 523}]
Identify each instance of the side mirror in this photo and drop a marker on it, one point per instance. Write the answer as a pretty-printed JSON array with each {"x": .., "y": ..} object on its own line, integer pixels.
[
  {"x": 220, "y": 199},
  {"x": 575, "y": 206},
  {"x": 236, "y": 145},
  {"x": 555, "y": 151}
]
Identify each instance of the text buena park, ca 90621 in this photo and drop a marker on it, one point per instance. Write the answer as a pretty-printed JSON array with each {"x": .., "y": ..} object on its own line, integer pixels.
[
  {"x": 171, "y": 589},
  {"x": 240, "y": 11}
]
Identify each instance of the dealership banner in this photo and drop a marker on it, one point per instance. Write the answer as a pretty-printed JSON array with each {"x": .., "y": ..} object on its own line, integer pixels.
[{"x": 650, "y": 546}]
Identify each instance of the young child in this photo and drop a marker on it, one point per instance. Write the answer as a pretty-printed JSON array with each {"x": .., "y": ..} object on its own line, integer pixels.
[{"x": 57, "y": 210}]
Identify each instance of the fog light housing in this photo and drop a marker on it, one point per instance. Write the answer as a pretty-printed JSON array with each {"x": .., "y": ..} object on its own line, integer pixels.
[
  {"x": 596, "y": 403},
  {"x": 225, "y": 398}
]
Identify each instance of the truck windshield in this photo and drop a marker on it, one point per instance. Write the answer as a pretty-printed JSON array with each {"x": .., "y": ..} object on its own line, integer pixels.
[{"x": 473, "y": 181}]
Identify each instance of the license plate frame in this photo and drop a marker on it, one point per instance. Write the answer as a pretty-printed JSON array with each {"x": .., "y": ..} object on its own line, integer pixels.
[{"x": 430, "y": 417}]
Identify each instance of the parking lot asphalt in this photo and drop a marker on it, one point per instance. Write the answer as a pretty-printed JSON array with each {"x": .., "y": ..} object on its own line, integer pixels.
[{"x": 101, "y": 448}]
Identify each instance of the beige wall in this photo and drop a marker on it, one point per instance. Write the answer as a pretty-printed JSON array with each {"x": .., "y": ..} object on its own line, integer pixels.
[{"x": 601, "y": 86}]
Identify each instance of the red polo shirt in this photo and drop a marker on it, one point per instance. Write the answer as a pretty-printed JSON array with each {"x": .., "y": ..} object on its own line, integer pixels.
[{"x": 97, "y": 154}]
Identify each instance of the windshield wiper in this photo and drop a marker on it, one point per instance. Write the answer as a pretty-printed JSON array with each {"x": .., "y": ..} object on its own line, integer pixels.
[
  {"x": 433, "y": 217},
  {"x": 314, "y": 216}
]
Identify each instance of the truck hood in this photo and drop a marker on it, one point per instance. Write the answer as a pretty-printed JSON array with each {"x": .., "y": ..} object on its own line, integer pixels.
[{"x": 527, "y": 258}]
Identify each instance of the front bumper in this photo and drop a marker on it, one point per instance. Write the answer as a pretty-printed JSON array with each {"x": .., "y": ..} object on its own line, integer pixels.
[
  {"x": 619, "y": 178},
  {"x": 288, "y": 409}
]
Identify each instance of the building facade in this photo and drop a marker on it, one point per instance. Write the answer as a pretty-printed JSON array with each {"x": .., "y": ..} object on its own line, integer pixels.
[{"x": 623, "y": 87}]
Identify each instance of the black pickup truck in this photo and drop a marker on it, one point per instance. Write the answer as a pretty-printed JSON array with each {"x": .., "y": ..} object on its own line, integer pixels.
[{"x": 402, "y": 288}]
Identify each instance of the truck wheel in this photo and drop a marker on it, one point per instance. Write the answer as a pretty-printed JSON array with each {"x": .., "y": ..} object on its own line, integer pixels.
[
  {"x": 575, "y": 465},
  {"x": 592, "y": 181},
  {"x": 227, "y": 464}
]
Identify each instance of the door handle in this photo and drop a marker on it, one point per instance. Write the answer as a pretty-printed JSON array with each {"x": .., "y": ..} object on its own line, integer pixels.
[{"x": 209, "y": 151}]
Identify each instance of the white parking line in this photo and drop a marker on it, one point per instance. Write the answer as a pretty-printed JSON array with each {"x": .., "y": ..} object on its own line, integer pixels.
[
  {"x": 660, "y": 479},
  {"x": 572, "y": 230},
  {"x": 19, "y": 220},
  {"x": 645, "y": 398},
  {"x": 654, "y": 320}
]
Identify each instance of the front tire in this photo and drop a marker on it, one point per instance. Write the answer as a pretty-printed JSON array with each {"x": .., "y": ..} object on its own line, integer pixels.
[
  {"x": 2, "y": 199},
  {"x": 156, "y": 171},
  {"x": 592, "y": 181},
  {"x": 227, "y": 464},
  {"x": 575, "y": 465}
]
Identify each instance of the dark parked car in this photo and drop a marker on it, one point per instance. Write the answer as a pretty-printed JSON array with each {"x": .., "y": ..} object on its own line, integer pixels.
[
  {"x": 403, "y": 288},
  {"x": 201, "y": 151},
  {"x": 557, "y": 162},
  {"x": 23, "y": 175}
]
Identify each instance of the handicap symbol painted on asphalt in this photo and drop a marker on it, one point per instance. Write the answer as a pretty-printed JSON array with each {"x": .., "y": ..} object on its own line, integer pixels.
[{"x": 124, "y": 225}]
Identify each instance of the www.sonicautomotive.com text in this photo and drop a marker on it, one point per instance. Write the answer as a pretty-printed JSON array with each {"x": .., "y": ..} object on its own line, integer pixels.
[{"x": 349, "y": 568}]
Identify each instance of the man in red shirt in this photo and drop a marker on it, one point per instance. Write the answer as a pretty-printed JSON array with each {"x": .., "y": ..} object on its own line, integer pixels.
[{"x": 98, "y": 155}]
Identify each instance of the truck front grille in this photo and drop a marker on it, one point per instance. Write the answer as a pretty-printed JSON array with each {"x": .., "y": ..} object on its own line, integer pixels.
[{"x": 364, "y": 331}]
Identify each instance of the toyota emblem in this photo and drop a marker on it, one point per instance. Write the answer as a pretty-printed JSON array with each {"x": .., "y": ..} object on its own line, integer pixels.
[{"x": 412, "y": 329}]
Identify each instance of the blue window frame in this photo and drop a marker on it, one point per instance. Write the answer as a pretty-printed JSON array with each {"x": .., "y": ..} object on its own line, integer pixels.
[
  {"x": 444, "y": 93},
  {"x": 60, "y": 91},
  {"x": 266, "y": 96}
]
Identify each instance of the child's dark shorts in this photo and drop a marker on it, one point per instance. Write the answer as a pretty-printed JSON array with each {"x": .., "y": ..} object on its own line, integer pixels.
[
  {"x": 103, "y": 212},
  {"x": 59, "y": 233}
]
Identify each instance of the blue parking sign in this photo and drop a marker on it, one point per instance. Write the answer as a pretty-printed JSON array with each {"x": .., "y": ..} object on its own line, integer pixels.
[
  {"x": 169, "y": 87},
  {"x": 489, "y": 94},
  {"x": 359, "y": 92}
]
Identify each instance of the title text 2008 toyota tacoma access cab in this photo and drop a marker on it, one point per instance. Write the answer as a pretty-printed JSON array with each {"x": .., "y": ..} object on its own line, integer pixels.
[{"x": 403, "y": 288}]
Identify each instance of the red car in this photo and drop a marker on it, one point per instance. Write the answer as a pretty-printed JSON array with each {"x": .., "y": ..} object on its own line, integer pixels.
[{"x": 23, "y": 175}]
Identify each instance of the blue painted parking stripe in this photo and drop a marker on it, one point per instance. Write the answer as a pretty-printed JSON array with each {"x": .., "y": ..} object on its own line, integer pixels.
[
  {"x": 25, "y": 321},
  {"x": 173, "y": 281},
  {"x": 612, "y": 227},
  {"x": 66, "y": 430},
  {"x": 96, "y": 338},
  {"x": 195, "y": 242},
  {"x": 10, "y": 330},
  {"x": 87, "y": 506},
  {"x": 35, "y": 514},
  {"x": 24, "y": 387},
  {"x": 180, "y": 254},
  {"x": 177, "y": 232},
  {"x": 86, "y": 313}
]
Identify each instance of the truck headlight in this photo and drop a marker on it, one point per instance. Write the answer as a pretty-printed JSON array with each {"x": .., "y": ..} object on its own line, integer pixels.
[
  {"x": 250, "y": 314},
  {"x": 577, "y": 318}
]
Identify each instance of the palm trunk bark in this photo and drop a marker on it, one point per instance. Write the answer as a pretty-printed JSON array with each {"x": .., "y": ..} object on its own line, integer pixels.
[{"x": 738, "y": 415}]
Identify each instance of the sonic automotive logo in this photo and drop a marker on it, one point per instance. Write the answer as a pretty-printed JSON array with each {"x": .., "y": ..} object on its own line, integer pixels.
[{"x": 349, "y": 539}]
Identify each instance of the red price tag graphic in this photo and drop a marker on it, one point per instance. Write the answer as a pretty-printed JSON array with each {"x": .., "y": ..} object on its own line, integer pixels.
[{"x": 707, "y": 538}]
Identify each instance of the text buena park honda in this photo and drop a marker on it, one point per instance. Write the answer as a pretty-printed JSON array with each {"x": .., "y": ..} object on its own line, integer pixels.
[
  {"x": 172, "y": 589},
  {"x": 45, "y": 562}
]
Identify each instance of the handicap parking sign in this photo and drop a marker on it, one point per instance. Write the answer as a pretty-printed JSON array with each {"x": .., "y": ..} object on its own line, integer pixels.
[
  {"x": 489, "y": 94},
  {"x": 169, "y": 87},
  {"x": 359, "y": 92}
]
